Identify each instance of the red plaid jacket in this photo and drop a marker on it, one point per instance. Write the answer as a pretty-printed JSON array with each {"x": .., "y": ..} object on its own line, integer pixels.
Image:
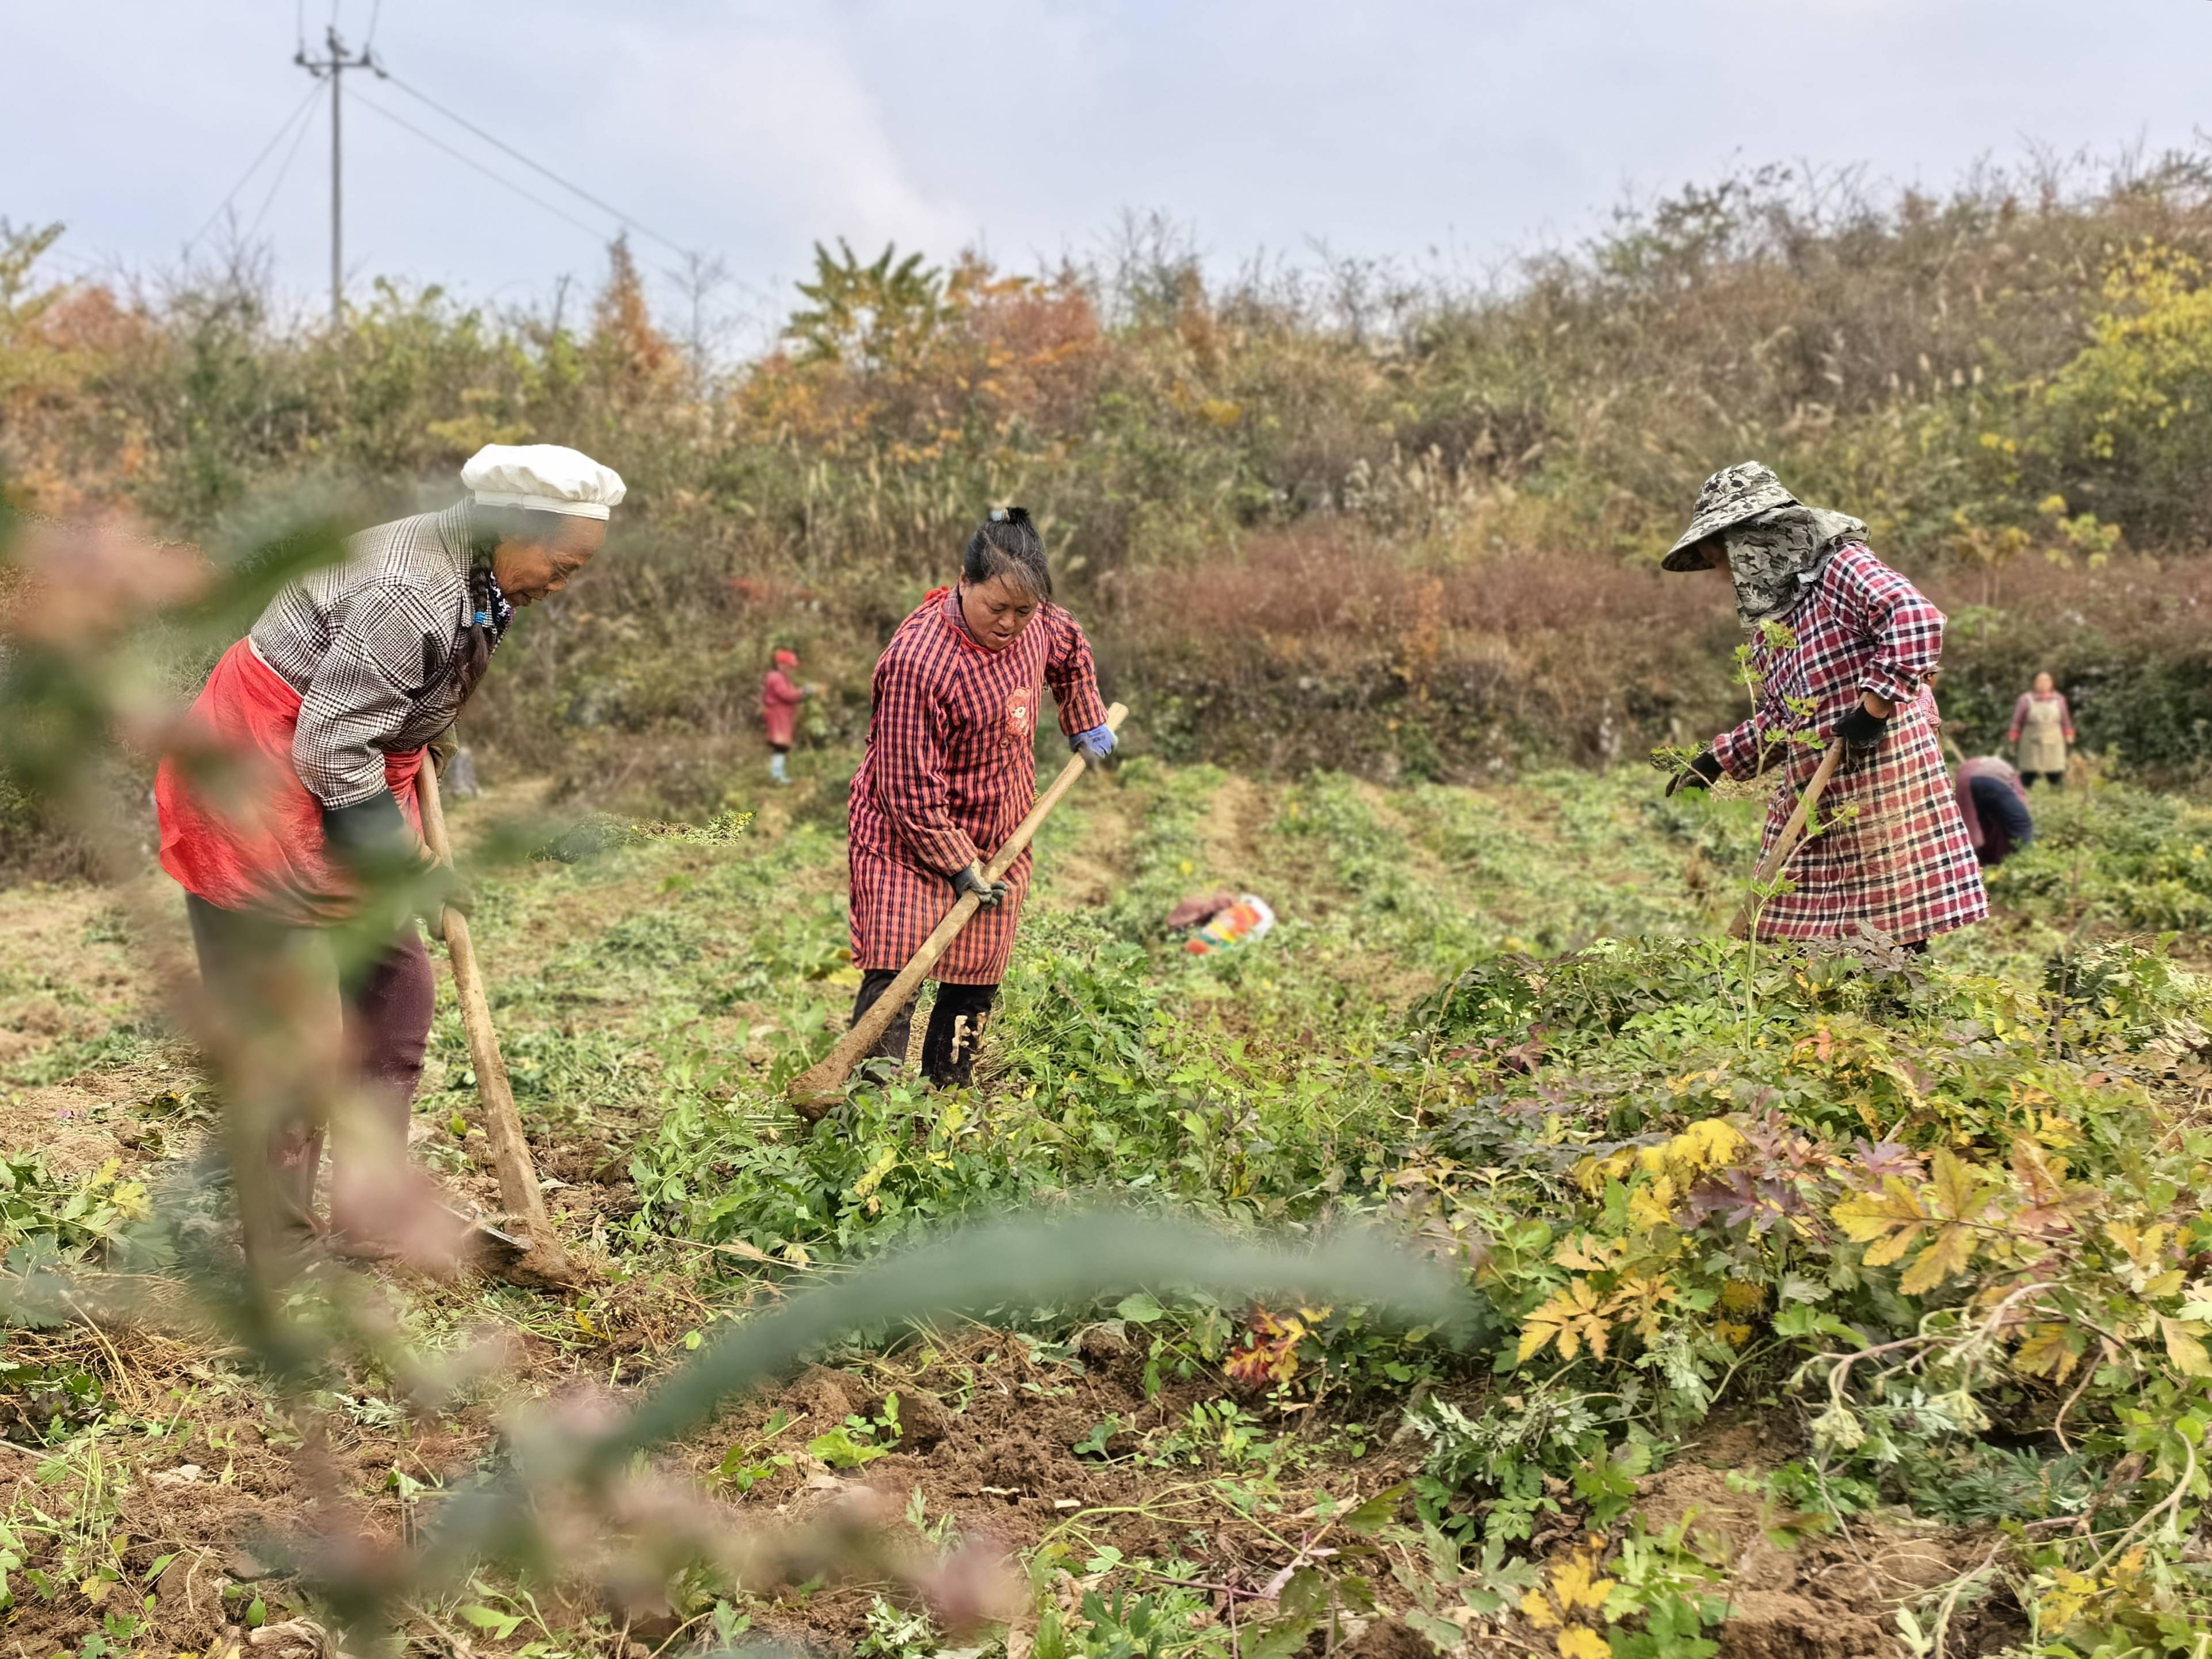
[
  {"x": 1903, "y": 863},
  {"x": 1862, "y": 627},
  {"x": 950, "y": 770}
]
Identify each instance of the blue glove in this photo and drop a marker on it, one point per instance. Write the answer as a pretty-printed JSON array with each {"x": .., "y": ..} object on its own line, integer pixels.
[{"x": 1095, "y": 744}]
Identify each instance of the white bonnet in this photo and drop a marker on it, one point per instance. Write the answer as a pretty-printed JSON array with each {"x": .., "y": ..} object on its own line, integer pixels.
[{"x": 544, "y": 478}]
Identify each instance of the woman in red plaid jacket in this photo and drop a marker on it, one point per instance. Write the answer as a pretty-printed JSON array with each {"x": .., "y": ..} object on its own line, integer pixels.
[
  {"x": 1843, "y": 647},
  {"x": 951, "y": 771}
]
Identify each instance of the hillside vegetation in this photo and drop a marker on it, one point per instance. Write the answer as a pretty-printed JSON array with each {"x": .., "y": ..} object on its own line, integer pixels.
[
  {"x": 1401, "y": 521},
  {"x": 1813, "y": 1306}
]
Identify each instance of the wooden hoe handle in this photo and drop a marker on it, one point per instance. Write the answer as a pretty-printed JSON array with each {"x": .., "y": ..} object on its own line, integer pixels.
[
  {"x": 814, "y": 1090},
  {"x": 1786, "y": 842},
  {"x": 545, "y": 1261}
]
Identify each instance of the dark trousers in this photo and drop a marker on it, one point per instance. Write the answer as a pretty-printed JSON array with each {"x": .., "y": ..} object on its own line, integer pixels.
[
  {"x": 949, "y": 1042},
  {"x": 2056, "y": 780},
  {"x": 272, "y": 983}
]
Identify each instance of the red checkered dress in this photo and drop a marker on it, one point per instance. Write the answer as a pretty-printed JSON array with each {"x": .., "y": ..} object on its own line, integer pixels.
[
  {"x": 950, "y": 770},
  {"x": 1904, "y": 865}
]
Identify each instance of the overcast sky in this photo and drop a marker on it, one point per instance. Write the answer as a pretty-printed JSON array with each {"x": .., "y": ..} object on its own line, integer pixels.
[{"x": 1447, "y": 131}]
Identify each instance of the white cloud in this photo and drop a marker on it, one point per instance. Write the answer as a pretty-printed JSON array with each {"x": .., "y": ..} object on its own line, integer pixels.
[
  {"x": 751, "y": 128},
  {"x": 773, "y": 126}
]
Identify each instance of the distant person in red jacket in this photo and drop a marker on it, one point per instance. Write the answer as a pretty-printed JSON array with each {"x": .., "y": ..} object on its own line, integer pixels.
[{"x": 781, "y": 696}]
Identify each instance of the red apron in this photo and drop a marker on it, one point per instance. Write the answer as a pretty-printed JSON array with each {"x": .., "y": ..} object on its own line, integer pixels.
[{"x": 245, "y": 834}]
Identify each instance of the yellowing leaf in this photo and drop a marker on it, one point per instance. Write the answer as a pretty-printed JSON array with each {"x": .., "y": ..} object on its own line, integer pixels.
[
  {"x": 1639, "y": 1297},
  {"x": 1738, "y": 1297},
  {"x": 1960, "y": 1192},
  {"x": 1705, "y": 1144},
  {"x": 1575, "y": 1584},
  {"x": 1581, "y": 1642},
  {"x": 1653, "y": 1205},
  {"x": 2046, "y": 1352},
  {"x": 1592, "y": 1173},
  {"x": 2141, "y": 1244},
  {"x": 1538, "y": 1608},
  {"x": 1948, "y": 1253},
  {"x": 2184, "y": 1349},
  {"x": 872, "y": 1177},
  {"x": 1570, "y": 1318},
  {"x": 1582, "y": 1252},
  {"x": 1889, "y": 1221}
]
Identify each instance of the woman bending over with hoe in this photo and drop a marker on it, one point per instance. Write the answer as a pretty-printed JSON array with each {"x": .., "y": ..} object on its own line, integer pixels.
[
  {"x": 950, "y": 770},
  {"x": 1842, "y": 648},
  {"x": 291, "y": 820}
]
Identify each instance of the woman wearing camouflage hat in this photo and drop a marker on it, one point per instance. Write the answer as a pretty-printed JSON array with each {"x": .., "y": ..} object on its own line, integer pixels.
[{"x": 1844, "y": 648}]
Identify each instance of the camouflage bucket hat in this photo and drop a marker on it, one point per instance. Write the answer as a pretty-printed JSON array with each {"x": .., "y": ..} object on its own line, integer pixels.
[{"x": 1729, "y": 496}]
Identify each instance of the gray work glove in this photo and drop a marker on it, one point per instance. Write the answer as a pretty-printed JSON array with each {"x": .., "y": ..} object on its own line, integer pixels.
[{"x": 989, "y": 895}]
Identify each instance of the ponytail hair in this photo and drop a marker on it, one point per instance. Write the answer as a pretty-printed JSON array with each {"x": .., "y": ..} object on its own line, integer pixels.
[
  {"x": 487, "y": 615},
  {"x": 474, "y": 652},
  {"x": 1008, "y": 544}
]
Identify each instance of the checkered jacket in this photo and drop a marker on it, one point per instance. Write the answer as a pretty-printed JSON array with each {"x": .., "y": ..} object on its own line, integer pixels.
[
  {"x": 1902, "y": 863},
  {"x": 370, "y": 643},
  {"x": 950, "y": 772}
]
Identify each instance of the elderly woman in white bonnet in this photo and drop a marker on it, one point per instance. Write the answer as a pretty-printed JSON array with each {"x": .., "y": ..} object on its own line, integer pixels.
[{"x": 327, "y": 708}]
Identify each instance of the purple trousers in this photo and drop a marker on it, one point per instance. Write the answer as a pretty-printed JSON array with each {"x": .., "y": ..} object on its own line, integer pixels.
[{"x": 250, "y": 964}]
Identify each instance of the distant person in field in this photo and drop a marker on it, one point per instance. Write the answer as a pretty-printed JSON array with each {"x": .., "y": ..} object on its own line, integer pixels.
[
  {"x": 1833, "y": 627},
  {"x": 951, "y": 771},
  {"x": 298, "y": 853},
  {"x": 2042, "y": 726},
  {"x": 1994, "y": 806},
  {"x": 781, "y": 696}
]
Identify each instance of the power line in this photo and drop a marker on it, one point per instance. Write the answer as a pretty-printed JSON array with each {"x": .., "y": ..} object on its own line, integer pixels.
[
  {"x": 535, "y": 166},
  {"x": 375, "y": 11},
  {"x": 277, "y": 183},
  {"x": 595, "y": 231},
  {"x": 334, "y": 66},
  {"x": 276, "y": 138}
]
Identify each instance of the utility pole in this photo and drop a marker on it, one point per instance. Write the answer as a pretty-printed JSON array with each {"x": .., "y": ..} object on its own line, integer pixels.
[{"x": 334, "y": 66}]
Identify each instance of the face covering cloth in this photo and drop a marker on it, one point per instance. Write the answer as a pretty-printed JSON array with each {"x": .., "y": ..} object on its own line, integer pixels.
[{"x": 1773, "y": 558}]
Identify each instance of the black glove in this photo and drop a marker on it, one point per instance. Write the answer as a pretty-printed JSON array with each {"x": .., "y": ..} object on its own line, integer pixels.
[
  {"x": 370, "y": 839},
  {"x": 1705, "y": 772},
  {"x": 373, "y": 843},
  {"x": 433, "y": 888},
  {"x": 1863, "y": 730},
  {"x": 989, "y": 895}
]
